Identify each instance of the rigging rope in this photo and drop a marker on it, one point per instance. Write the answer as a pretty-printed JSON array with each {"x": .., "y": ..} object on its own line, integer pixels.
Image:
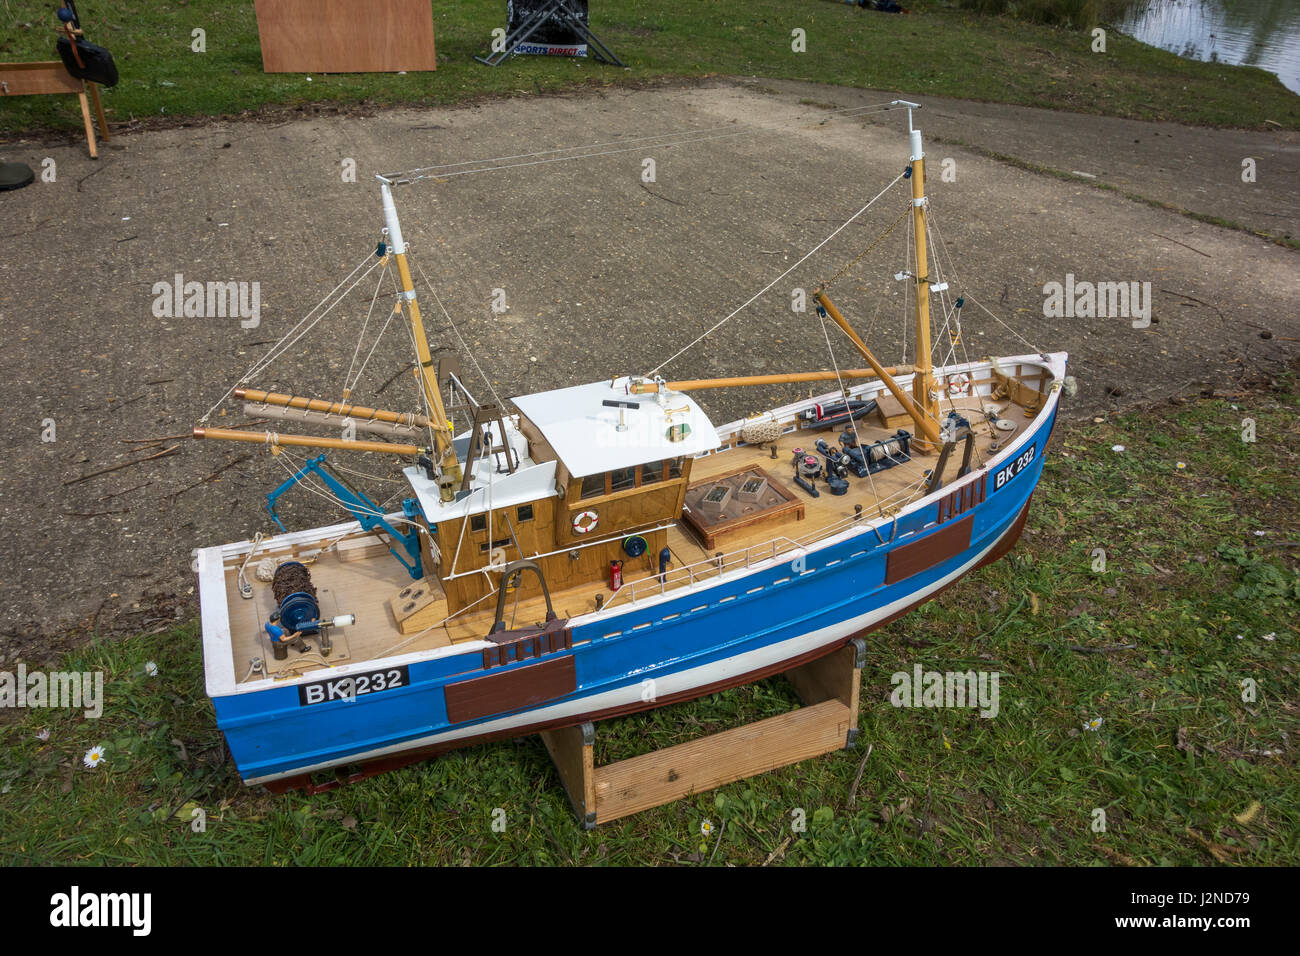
[
  {"x": 802, "y": 259},
  {"x": 683, "y": 138},
  {"x": 348, "y": 382},
  {"x": 465, "y": 349},
  {"x": 283, "y": 345},
  {"x": 880, "y": 238}
]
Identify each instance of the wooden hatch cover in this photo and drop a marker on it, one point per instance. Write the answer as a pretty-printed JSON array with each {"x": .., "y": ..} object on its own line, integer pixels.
[{"x": 923, "y": 554}]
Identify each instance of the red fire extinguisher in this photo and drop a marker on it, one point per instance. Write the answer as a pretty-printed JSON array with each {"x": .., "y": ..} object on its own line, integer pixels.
[{"x": 615, "y": 575}]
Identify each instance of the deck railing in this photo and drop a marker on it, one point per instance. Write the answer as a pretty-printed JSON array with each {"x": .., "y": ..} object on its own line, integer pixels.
[{"x": 689, "y": 575}]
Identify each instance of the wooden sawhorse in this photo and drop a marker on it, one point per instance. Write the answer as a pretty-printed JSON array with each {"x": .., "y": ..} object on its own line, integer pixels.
[
  {"x": 28, "y": 79},
  {"x": 827, "y": 722}
]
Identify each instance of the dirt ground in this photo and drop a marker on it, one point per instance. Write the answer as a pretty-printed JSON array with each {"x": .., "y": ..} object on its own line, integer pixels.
[{"x": 603, "y": 274}]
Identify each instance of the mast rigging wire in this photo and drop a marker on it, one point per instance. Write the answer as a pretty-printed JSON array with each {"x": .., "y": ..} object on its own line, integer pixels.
[
  {"x": 683, "y": 138},
  {"x": 802, "y": 259}
]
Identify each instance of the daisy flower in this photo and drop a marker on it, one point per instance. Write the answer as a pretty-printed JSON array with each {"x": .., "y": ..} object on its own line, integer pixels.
[
  {"x": 94, "y": 756},
  {"x": 706, "y": 828},
  {"x": 151, "y": 668},
  {"x": 1093, "y": 724},
  {"x": 43, "y": 734}
]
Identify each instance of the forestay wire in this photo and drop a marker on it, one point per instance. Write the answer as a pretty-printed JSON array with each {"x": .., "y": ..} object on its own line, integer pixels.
[{"x": 667, "y": 140}]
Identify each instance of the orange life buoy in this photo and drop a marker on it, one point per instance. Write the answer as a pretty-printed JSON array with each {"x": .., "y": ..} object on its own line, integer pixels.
[{"x": 585, "y": 522}]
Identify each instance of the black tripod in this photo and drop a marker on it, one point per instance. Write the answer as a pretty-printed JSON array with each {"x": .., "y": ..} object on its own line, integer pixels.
[{"x": 554, "y": 11}]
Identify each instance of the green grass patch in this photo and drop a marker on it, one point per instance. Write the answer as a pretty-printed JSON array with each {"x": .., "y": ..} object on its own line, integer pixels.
[
  {"x": 1198, "y": 593},
  {"x": 937, "y": 49},
  {"x": 1068, "y": 13}
]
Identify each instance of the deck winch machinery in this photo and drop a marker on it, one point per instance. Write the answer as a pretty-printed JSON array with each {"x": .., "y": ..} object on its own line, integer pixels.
[
  {"x": 297, "y": 613},
  {"x": 836, "y": 464}
]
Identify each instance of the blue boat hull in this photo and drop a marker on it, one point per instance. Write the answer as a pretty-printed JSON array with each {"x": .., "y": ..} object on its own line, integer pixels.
[{"x": 691, "y": 642}]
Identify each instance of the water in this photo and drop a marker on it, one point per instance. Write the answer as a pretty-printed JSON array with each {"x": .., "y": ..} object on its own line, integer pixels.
[{"x": 1262, "y": 33}]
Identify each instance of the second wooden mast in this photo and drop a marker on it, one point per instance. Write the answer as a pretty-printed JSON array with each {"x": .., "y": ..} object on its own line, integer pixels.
[
  {"x": 923, "y": 390},
  {"x": 923, "y": 404},
  {"x": 449, "y": 464}
]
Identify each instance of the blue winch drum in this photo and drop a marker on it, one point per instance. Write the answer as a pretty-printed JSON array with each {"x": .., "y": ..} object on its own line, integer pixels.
[
  {"x": 295, "y": 596},
  {"x": 299, "y": 612},
  {"x": 635, "y": 546}
]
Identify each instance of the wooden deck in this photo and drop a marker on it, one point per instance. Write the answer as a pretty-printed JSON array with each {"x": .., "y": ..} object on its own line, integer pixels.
[{"x": 363, "y": 586}]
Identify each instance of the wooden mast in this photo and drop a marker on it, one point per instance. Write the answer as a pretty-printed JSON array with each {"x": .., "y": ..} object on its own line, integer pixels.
[
  {"x": 923, "y": 390},
  {"x": 925, "y": 426},
  {"x": 450, "y": 464}
]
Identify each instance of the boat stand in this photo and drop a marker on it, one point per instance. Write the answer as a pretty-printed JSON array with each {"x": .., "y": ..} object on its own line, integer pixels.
[
  {"x": 827, "y": 721},
  {"x": 558, "y": 11}
]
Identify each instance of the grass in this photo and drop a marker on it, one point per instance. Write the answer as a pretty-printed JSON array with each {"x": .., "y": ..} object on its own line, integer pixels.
[
  {"x": 1075, "y": 13},
  {"x": 938, "y": 49},
  {"x": 1198, "y": 578}
]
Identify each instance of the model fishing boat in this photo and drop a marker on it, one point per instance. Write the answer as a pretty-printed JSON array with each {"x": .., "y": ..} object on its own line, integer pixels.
[{"x": 605, "y": 548}]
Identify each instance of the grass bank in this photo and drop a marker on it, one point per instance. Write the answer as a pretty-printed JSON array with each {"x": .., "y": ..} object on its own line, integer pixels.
[
  {"x": 937, "y": 49},
  {"x": 1120, "y": 692}
]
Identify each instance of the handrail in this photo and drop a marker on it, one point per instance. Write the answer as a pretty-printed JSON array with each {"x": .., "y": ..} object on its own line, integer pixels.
[{"x": 686, "y": 575}]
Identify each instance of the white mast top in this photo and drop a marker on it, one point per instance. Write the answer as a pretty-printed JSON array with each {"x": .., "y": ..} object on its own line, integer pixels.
[{"x": 390, "y": 219}]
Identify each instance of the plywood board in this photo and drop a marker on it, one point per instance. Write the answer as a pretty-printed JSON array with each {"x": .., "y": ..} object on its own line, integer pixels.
[
  {"x": 29, "y": 79},
  {"x": 343, "y": 36}
]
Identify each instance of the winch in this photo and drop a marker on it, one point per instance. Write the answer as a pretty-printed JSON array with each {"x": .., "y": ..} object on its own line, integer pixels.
[{"x": 298, "y": 612}]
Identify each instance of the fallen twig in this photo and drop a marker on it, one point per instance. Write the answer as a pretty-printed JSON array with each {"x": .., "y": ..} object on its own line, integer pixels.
[
  {"x": 158, "y": 441},
  {"x": 89, "y": 174},
  {"x": 1185, "y": 245},
  {"x": 659, "y": 196},
  {"x": 862, "y": 765},
  {"x": 1192, "y": 298},
  {"x": 94, "y": 514},
  {"x": 1103, "y": 650},
  {"x": 779, "y": 851},
  {"x": 203, "y": 481},
  {"x": 125, "y": 464},
  {"x": 117, "y": 494}
]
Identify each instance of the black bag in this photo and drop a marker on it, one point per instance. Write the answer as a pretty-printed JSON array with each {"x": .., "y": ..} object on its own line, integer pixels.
[{"x": 99, "y": 66}]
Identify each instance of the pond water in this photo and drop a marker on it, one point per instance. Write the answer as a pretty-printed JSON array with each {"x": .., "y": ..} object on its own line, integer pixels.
[{"x": 1262, "y": 33}]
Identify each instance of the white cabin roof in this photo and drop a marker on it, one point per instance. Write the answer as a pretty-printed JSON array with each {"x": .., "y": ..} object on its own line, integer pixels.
[
  {"x": 585, "y": 433},
  {"x": 492, "y": 486}
]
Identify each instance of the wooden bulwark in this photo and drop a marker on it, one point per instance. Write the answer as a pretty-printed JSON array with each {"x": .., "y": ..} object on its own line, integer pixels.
[
  {"x": 963, "y": 499},
  {"x": 930, "y": 549},
  {"x": 510, "y": 690}
]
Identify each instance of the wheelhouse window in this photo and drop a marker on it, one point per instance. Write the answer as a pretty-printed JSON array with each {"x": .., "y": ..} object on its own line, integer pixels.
[
  {"x": 621, "y": 479},
  {"x": 593, "y": 486},
  {"x": 524, "y": 513},
  {"x": 478, "y": 523},
  {"x": 652, "y": 472},
  {"x": 675, "y": 467}
]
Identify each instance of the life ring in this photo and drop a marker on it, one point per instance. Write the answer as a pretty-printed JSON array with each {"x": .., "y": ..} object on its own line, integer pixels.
[
  {"x": 957, "y": 386},
  {"x": 585, "y": 522}
]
